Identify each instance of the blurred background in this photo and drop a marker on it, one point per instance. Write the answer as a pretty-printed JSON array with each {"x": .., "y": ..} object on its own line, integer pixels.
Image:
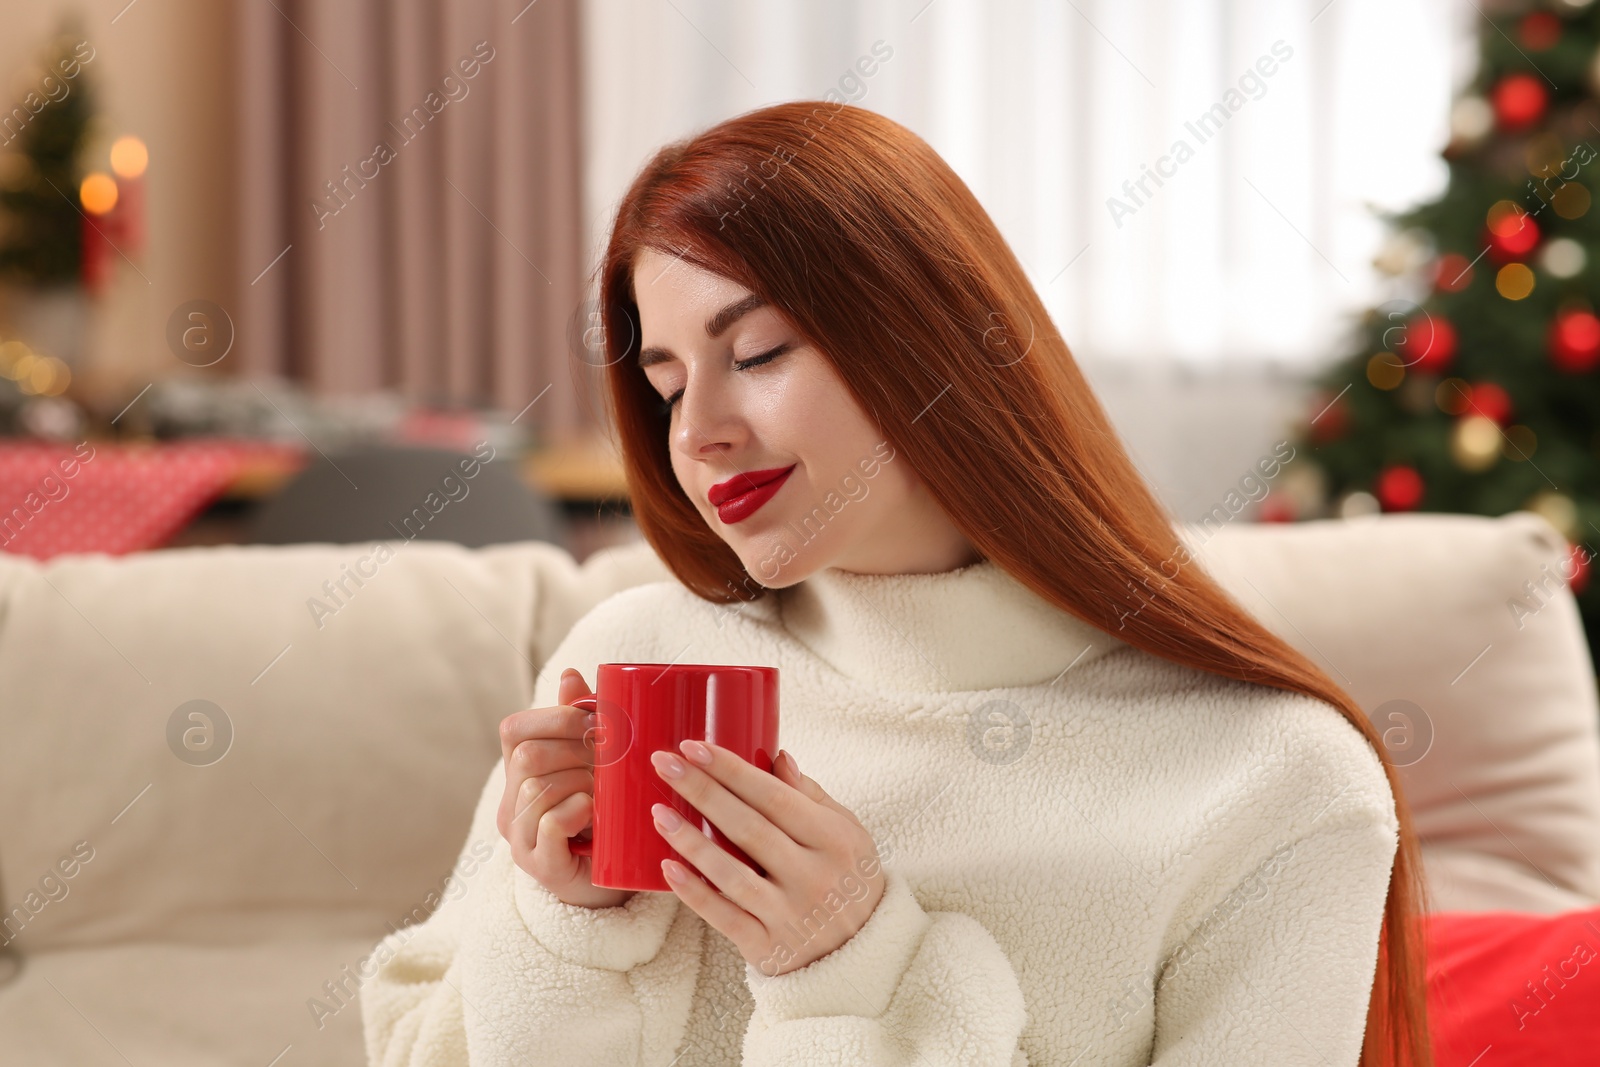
[{"x": 254, "y": 254}]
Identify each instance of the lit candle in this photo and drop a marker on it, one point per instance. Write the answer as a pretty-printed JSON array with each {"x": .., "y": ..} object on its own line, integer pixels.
[{"x": 129, "y": 159}]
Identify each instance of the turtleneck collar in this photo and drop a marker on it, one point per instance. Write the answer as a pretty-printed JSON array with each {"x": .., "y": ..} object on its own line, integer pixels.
[{"x": 972, "y": 628}]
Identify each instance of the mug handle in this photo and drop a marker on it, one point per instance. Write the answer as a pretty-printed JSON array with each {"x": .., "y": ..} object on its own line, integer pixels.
[{"x": 575, "y": 845}]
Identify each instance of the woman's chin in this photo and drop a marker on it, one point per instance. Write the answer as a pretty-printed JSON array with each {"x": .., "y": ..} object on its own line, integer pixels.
[{"x": 771, "y": 561}]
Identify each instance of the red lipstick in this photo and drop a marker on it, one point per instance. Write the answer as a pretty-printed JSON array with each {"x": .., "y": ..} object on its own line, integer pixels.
[{"x": 740, "y": 496}]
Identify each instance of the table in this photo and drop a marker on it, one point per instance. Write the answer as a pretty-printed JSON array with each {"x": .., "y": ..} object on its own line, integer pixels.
[
  {"x": 118, "y": 497},
  {"x": 581, "y": 472}
]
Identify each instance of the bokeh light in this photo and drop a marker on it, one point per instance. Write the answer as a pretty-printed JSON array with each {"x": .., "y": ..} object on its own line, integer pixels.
[
  {"x": 129, "y": 157},
  {"x": 98, "y": 193}
]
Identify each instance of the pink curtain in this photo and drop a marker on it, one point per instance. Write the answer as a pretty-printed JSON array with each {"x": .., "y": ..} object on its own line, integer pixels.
[{"x": 410, "y": 210}]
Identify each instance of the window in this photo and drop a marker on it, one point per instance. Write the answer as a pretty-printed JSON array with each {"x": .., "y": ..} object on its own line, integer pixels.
[{"x": 1256, "y": 244}]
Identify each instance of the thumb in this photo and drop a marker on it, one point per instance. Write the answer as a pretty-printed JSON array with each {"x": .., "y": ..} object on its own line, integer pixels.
[
  {"x": 789, "y": 771},
  {"x": 571, "y": 687}
]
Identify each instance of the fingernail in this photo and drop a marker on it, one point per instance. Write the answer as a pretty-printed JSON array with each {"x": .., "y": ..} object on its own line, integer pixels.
[
  {"x": 697, "y": 752},
  {"x": 667, "y": 764},
  {"x": 666, "y": 818},
  {"x": 591, "y": 720},
  {"x": 674, "y": 873}
]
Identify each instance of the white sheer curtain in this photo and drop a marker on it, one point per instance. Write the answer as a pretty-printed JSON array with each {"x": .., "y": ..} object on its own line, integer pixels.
[{"x": 1254, "y": 248}]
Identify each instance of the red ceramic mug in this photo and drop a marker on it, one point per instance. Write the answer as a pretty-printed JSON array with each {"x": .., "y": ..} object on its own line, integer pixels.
[{"x": 645, "y": 707}]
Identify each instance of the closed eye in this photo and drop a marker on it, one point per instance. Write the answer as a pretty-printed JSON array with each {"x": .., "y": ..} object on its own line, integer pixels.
[{"x": 668, "y": 403}]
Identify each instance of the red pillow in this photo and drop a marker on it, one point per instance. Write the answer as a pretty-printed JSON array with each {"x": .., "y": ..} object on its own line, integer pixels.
[{"x": 1508, "y": 988}]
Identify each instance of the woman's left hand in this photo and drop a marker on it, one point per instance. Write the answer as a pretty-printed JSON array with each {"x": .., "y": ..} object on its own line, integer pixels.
[{"x": 823, "y": 873}]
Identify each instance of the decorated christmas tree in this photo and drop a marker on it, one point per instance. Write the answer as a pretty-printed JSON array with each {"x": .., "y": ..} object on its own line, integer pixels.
[
  {"x": 1480, "y": 391},
  {"x": 42, "y": 135}
]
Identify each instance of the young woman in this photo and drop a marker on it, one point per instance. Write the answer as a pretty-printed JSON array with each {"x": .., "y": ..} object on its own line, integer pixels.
[{"x": 1048, "y": 796}]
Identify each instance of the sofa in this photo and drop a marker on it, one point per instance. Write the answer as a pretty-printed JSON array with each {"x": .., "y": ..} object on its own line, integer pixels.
[{"x": 227, "y": 771}]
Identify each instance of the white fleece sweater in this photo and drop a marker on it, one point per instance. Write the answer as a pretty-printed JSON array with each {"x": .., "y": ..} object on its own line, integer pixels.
[{"x": 1092, "y": 856}]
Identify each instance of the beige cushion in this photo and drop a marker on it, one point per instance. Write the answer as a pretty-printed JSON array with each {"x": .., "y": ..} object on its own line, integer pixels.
[
  {"x": 360, "y": 738},
  {"x": 183, "y": 1005},
  {"x": 1417, "y": 609}
]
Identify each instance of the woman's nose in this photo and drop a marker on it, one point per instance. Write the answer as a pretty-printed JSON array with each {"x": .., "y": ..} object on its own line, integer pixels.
[{"x": 708, "y": 418}]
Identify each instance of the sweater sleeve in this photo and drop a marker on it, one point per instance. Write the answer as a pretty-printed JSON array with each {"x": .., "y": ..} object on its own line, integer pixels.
[
  {"x": 505, "y": 967},
  {"x": 1281, "y": 969},
  {"x": 503, "y": 972},
  {"x": 911, "y": 987}
]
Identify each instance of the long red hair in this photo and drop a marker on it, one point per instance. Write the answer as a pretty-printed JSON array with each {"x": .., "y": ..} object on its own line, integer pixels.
[{"x": 883, "y": 259}]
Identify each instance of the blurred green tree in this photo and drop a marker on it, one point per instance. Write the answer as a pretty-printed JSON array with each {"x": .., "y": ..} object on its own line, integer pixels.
[
  {"x": 42, "y": 136},
  {"x": 1482, "y": 396}
]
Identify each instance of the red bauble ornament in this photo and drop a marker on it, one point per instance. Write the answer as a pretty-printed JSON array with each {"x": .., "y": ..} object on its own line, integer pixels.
[
  {"x": 1490, "y": 401},
  {"x": 1578, "y": 565},
  {"x": 1512, "y": 235},
  {"x": 1539, "y": 31},
  {"x": 1452, "y": 273},
  {"x": 1399, "y": 488},
  {"x": 1575, "y": 342},
  {"x": 1275, "y": 507},
  {"x": 1429, "y": 343},
  {"x": 1330, "y": 417},
  {"x": 1519, "y": 101}
]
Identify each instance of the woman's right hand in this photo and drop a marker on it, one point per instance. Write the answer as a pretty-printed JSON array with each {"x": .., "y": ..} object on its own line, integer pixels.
[{"x": 549, "y": 796}]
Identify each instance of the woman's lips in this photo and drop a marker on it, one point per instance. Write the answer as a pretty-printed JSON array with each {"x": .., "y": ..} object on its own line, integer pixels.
[{"x": 739, "y": 497}]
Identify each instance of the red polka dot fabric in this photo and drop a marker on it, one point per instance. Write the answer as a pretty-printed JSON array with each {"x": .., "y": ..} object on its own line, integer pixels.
[{"x": 111, "y": 497}]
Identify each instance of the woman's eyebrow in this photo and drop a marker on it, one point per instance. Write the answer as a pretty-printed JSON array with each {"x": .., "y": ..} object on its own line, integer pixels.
[{"x": 716, "y": 326}]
